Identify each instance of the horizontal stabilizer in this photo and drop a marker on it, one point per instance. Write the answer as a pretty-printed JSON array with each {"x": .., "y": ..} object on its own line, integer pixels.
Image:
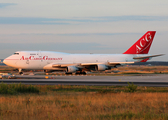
[{"x": 144, "y": 57}]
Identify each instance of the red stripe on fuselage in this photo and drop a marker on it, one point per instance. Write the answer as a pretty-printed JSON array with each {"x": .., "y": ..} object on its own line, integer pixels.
[{"x": 11, "y": 59}]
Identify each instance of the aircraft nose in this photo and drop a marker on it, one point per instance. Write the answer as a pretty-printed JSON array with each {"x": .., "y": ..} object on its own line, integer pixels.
[
  {"x": 5, "y": 61},
  {"x": 10, "y": 61}
]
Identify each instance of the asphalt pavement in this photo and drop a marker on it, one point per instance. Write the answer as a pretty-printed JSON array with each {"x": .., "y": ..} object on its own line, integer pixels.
[{"x": 159, "y": 80}]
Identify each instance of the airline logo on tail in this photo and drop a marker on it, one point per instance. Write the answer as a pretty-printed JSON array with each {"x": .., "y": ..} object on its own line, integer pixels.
[{"x": 142, "y": 46}]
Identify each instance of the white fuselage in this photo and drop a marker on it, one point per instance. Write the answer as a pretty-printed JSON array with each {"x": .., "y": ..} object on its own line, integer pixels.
[{"x": 43, "y": 59}]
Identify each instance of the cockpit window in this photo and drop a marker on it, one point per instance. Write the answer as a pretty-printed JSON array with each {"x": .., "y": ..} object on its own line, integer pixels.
[{"x": 16, "y": 53}]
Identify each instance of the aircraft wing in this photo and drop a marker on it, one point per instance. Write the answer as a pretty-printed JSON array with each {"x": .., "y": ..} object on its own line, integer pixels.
[
  {"x": 119, "y": 63},
  {"x": 80, "y": 65},
  {"x": 86, "y": 64},
  {"x": 108, "y": 63},
  {"x": 56, "y": 65},
  {"x": 145, "y": 57},
  {"x": 62, "y": 65}
]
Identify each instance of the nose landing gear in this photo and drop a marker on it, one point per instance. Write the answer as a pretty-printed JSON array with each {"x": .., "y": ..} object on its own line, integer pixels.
[{"x": 20, "y": 71}]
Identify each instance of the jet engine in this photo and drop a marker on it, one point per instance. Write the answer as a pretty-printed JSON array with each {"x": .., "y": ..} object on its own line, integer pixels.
[
  {"x": 101, "y": 67},
  {"x": 71, "y": 69}
]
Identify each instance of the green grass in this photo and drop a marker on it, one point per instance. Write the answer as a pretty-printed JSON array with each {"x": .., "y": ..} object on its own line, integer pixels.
[
  {"x": 83, "y": 90},
  {"x": 131, "y": 87},
  {"x": 17, "y": 88},
  {"x": 105, "y": 89},
  {"x": 13, "y": 89}
]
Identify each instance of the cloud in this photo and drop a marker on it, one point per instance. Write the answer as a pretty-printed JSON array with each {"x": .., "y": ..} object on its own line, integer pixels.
[
  {"x": 3, "y": 5},
  {"x": 86, "y": 8},
  {"x": 77, "y": 34},
  {"x": 131, "y": 18},
  {"x": 59, "y": 21},
  {"x": 29, "y": 20},
  {"x": 48, "y": 46}
]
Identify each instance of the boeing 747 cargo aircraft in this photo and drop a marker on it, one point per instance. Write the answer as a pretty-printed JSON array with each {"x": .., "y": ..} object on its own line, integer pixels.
[{"x": 80, "y": 63}]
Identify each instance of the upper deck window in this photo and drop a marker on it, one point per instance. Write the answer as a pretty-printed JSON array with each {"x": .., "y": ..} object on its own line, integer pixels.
[
  {"x": 32, "y": 54},
  {"x": 16, "y": 53}
]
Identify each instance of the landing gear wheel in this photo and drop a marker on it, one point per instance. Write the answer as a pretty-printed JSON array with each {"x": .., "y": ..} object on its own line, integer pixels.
[
  {"x": 20, "y": 73},
  {"x": 68, "y": 73},
  {"x": 80, "y": 73},
  {"x": 83, "y": 73}
]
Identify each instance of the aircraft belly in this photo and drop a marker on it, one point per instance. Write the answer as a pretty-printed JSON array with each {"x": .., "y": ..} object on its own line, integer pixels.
[{"x": 29, "y": 64}]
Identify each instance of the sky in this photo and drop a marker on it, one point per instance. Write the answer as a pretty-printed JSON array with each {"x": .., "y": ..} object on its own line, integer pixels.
[{"x": 82, "y": 26}]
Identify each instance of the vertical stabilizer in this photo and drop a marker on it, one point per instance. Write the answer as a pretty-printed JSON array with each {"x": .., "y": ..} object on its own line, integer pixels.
[{"x": 142, "y": 46}]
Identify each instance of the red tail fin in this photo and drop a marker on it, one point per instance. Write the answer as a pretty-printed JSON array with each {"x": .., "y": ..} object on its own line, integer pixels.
[{"x": 142, "y": 46}]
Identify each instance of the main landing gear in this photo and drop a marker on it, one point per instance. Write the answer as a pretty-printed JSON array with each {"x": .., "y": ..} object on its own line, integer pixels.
[
  {"x": 80, "y": 73},
  {"x": 20, "y": 71},
  {"x": 77, "y": 73}
]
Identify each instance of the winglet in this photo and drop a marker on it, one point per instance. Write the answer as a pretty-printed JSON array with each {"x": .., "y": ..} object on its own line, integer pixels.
[{"x": 142, "y": 46}]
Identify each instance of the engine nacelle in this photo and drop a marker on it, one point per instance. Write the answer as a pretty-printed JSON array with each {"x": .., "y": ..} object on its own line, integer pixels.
[
  {"x": 71, "y": 69},
  {"x": 101, "y": 67}
]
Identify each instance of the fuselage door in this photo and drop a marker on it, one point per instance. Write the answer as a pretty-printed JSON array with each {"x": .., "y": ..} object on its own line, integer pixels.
[{"x": 40, "y": 58}]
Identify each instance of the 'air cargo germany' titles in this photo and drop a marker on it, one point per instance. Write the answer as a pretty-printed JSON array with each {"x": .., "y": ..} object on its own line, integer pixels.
[{"x": 39, "y": 58}]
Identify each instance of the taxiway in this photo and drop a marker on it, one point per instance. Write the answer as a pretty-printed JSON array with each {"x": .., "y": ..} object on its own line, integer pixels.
[{"x": 160, "y": 80}]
